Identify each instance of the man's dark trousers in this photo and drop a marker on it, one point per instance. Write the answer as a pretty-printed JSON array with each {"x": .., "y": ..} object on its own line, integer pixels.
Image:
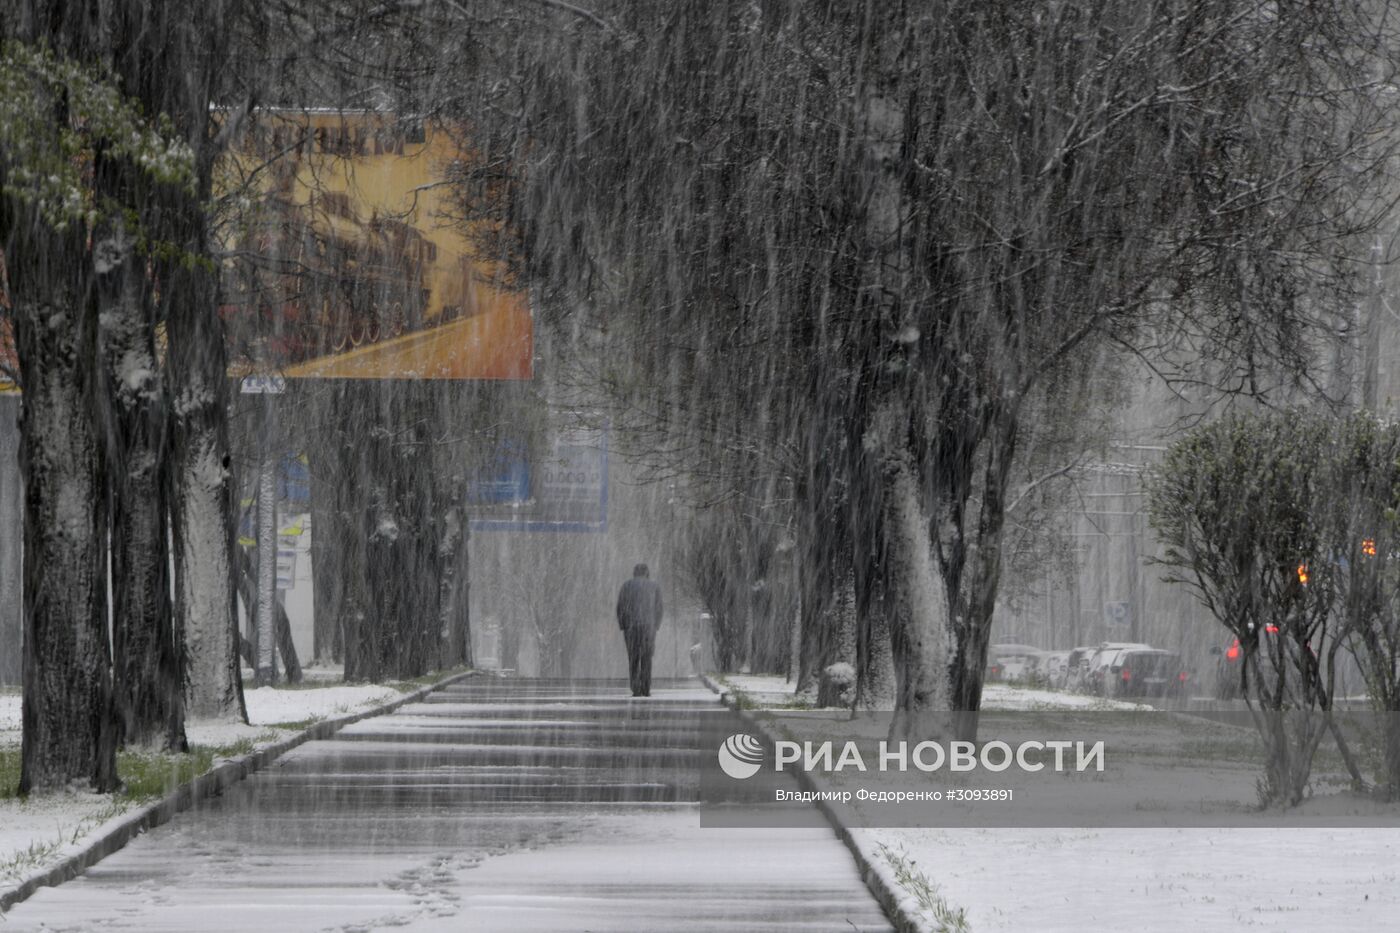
[{"x": 641, "y": 643}]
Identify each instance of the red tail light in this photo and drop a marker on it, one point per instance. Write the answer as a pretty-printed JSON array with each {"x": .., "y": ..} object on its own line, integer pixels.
[
  {"x": 1234, "y": 653},
  {"x": 1182, "y": 677},
  {"x": 1127, "y": 675}
]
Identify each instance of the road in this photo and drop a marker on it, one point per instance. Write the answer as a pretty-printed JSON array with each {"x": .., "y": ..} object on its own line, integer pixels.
[{"x": 512, "y": 805}]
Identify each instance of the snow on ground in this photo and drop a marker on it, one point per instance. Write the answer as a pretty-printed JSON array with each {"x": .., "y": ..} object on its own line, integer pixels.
[
  {"x": 760, "y": 683},
  {"x": 1202, "y": 880},
  {"x": 1005, "y": 696},
  {"x": 774, "y": 689},
  {"x": 269, "y": 706},
  {"x": 1301, "y": 880},
  {"x": 39, "y": 831},
  {"x": 9, "y": 718}
]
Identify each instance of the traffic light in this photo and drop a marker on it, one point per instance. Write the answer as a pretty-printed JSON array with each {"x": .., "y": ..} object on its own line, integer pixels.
[
  {"x": 1303, "y": 574},
  {"x": 1368, "y": 547}
]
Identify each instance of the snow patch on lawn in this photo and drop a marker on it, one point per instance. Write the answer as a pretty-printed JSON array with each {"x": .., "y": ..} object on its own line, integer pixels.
[
  {"x": 1309, "y": 880},
  {"x": 269, "y": 706},
  {"x": 1005, "y": 697},
  {"x": 1058, "y": 881},
  {"x": 41, "y": 831},
  {"x": 9, "y": 719},
  {"x": 775, "y": 689},
  {"x": 761, "y": 683}
]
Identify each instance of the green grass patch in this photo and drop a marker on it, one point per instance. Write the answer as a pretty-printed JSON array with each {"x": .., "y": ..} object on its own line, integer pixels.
[
  {"x": 151, "y": 775},
  {"x": 9, "y": 771},
  {"x": 427, "y": 680},
  {"x": 147, "y": 775}
]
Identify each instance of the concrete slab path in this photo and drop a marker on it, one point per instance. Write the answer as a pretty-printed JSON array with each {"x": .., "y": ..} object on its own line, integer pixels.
[{"x": 496, "y": 804}]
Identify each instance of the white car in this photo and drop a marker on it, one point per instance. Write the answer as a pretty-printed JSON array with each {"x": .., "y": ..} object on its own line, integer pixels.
[
  {"x": 1077, "y": 666},
  {"x": 1013, "y": 663},
  {"x": 1054, "y": 668}
]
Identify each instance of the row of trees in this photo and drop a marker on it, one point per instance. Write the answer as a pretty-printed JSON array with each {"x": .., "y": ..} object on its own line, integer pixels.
[
  {"x": 1285, "y": 527},
  {"x": 843, "y": 267},
  {"x": 114, "y": 220},
  {"x": 104, "y": 172},
  {"x": 842, "y": 262}
]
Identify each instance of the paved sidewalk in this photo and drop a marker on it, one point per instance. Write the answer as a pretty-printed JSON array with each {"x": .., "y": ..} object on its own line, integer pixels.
[{"x": 494, "y": 805}]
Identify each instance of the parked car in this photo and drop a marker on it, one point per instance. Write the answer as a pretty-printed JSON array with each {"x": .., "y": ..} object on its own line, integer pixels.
[
  {"x": 1229, "y": 662},
  {"x": 1008, "y": 663},
  {"x": 1095, "y": 674},
  {"x": 1149, "y": 672},
  {"x": 1055, "y": 668},
  {"x": 1076, "y": 666}
]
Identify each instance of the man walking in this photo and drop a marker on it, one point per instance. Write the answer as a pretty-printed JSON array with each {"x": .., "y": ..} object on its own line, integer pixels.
[{"x": 639, "y": 616}]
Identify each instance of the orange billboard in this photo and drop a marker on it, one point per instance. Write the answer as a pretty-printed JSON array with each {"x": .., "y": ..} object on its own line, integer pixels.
[{"x": 352, "y": 262}]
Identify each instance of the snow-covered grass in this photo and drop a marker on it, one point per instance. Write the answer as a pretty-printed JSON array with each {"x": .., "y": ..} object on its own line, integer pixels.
[
  {"x": 773, "y": 691},
  {"x": 40, "y": 830},
  {"x": 1203, "y": 880},
  {"x": 991, "y": 880}
]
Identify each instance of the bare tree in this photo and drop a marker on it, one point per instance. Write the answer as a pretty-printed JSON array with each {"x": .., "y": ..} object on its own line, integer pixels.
[{"x": 858, "y": 244}]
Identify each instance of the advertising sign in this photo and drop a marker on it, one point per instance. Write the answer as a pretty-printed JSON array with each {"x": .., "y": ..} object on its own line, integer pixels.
[
  {"x": 354, "y": 261},
  {"x": 566, "y": 491}
]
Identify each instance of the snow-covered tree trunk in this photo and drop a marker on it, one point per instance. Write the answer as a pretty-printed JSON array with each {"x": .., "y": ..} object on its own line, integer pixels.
[
  {"x": 68, "y": 732},
  {"x": 202, "y": 485},
  {"x": 915, "y": 600},
  {"x": 147, "y": 674},
  {"x": 915, "y": 596},
  {"x": 455, "y": 585}
]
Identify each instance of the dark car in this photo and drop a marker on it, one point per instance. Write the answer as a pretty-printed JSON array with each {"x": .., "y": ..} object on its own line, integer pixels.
[
  {"x": 1147, "y": 673},
  {"x": 1271, "y": 650}
]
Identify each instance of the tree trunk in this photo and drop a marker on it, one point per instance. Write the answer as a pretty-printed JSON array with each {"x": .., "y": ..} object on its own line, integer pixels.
[
  {"x": 11, "y": 545},
  {"x": 351, "y": 560},
  {"x": 202, "y": 505},
  {"x": 456, "y": 586},
  {"x": 916, "y": 600},
  {"x": 1392, "y": 753},
  {"x": 875, "y": 673},
  {"x": 68, "y": 731},
  {"x": 980, "y": 577},
  {"x": 327, "y": 591},
  {"x": 148, "y": 679},
  {"x": 822, "y": 571}
]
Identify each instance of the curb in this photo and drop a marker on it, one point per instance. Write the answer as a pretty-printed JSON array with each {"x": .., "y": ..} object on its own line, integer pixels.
[
  {"x": 889, "y": 898},
  {"x": 201, "y": 787}
]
